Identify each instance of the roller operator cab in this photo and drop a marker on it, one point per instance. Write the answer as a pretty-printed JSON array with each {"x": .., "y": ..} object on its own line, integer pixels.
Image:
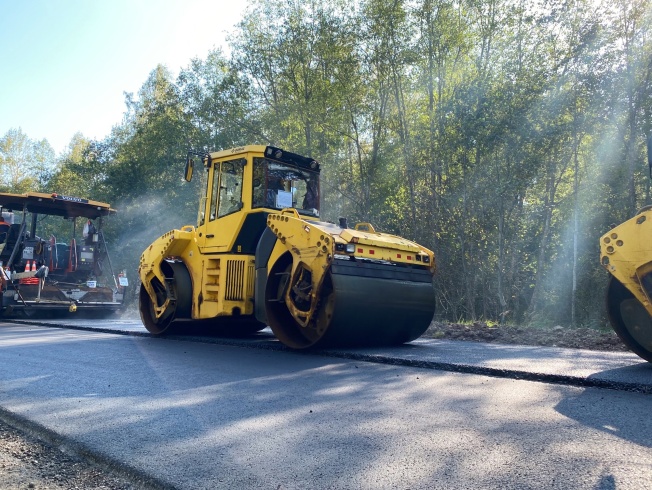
[
  {"x": 259, "y": 255},
  {"x": 626, "y": 253},
  {"x": 53, "y": 256}
]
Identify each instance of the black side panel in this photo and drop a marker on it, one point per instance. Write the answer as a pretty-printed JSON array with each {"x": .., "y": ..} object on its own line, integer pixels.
[
  {"x": 646, "y": 282},
  {"x": 263, "y": 252},
  {"x": 252, "y": 228},
  {"x": 264, "y": 248},
  {"x": 259, "y": 295}
]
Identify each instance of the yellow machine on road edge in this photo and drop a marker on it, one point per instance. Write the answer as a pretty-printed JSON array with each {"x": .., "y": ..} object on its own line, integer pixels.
[
  {"x": 259, "y": 256},
  {"x": 626, "y": 252}
]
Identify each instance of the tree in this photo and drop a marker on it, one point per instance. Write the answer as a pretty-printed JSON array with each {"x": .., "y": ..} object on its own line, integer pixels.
[{"x": 25, "y": 165}]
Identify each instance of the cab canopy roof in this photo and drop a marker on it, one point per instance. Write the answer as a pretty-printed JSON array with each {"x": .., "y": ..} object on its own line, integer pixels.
[{"x": 55, "y": 204}]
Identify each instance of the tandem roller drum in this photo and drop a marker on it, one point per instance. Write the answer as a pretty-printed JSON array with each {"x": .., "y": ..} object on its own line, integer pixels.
[
  {"x": 177, "y": 285},
  {"x": 629, "y": 319},
  {"x": 361, "y": 304}
]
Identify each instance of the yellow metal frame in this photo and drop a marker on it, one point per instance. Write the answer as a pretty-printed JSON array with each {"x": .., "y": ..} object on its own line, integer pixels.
[
  {"x": 312, "y": 251},
  {"x": 172, "y": 244},
  {"x": 205, "y": 249},
  {"x": 626, "y": 252}
]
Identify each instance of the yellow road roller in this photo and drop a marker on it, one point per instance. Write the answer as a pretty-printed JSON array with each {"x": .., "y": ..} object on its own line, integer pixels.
[
  {"x": 626, "y": 252},
  {"x": 260, "y": 256}
]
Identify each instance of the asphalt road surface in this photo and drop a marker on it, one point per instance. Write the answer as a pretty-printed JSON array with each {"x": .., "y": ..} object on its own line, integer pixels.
[{"x": 209, "y": 413}]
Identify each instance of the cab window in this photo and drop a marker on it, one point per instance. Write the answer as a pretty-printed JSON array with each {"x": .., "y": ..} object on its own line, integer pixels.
[
  {"x": 278, "y": 185},
  {"x": 229, "y": 197}
]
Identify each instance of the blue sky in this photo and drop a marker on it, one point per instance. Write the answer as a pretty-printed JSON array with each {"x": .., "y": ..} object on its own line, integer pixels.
[{"x": 65, "y": 64}]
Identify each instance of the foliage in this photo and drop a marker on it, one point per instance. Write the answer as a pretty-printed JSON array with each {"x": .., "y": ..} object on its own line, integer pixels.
[
  {"x": 506, "y": 135},
  {"x": 24, "y": 164}
]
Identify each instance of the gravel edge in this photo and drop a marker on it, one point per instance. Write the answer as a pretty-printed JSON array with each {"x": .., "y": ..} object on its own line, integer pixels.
[{"x": 33, "y": 456}]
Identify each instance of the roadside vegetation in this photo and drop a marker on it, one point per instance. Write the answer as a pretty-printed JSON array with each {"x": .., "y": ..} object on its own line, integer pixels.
[{"x": 505, "y": 135}]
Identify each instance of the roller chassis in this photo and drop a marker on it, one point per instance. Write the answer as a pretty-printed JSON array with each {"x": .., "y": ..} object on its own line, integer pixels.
[
  {"x": 314, "y": 283},
  {"x": 309, "y": 298}
]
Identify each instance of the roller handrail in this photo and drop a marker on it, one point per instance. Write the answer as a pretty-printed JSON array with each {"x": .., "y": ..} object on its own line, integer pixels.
[{"x": 291, "y": 211}]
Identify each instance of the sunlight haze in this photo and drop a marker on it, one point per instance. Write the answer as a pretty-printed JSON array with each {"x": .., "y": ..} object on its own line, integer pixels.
[{"x": 67, "y": 64}]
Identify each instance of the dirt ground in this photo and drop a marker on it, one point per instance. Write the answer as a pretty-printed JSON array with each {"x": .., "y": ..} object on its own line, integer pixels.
[
  {"x": 555, "y": 336},
  {"x": 26, "y": 463}
]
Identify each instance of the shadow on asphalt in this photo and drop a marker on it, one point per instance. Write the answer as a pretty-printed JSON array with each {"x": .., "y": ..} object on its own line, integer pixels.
[
  {"x": 614, "y": 414},
  {"x": 187, "y": 405}
]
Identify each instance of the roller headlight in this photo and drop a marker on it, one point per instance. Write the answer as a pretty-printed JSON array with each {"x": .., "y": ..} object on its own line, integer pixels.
[{"x": 345, "y": 247}]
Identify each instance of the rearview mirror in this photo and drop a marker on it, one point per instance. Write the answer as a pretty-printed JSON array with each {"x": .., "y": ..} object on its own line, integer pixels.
[
  {"x": 190, "y": 163},
  {"x": 649, "y": 154}
]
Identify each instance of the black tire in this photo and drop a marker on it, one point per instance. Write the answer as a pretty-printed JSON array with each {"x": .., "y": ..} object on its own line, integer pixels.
[
  {"x": 153, "y": 325},
  {"x": 181, "y": 309},
  {"x": 280, "y": 320},
  {"x": 629, "y": 319},
  {"x": 355, "y": 309}
]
